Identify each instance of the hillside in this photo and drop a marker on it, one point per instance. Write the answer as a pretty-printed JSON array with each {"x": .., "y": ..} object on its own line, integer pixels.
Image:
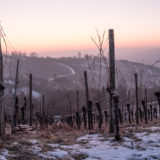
[
  {"x": 140, "y": 55},
  {"x": 68, "y": 72}
]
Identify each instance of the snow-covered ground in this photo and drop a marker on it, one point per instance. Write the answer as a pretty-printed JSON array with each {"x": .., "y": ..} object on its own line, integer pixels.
[
  {"x": 5, "y": 154},
  {"x": 25, "y": 91},
  {"x": 137, "y": 146}
]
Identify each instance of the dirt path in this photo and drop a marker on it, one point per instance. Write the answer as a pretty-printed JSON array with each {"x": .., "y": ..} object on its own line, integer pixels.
[{"x": 64, "y": 75}]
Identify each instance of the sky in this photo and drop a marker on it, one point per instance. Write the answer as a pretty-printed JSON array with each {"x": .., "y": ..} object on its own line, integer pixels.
[{"x": 56, "y": 27}]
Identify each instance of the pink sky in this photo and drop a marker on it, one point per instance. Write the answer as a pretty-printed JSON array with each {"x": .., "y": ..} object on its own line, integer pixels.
[{"x": 60, "y": 25}]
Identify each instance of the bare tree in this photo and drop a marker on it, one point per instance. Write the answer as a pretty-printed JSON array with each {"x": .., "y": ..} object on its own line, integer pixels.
[{"x": 99, "y": 42}]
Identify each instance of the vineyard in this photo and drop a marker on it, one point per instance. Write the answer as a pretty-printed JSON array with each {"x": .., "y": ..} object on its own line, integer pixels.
[{"x": 91, "y": 107}]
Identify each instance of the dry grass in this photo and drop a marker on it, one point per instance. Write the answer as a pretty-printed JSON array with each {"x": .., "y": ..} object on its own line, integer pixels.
[{"x": 63, "y": 135}]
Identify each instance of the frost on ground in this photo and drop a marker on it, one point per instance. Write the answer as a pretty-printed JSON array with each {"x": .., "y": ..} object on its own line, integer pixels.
[
  {"x": 4, "y": 154},
  {"x": 136, "y": 146},
  {"x": 95, "y": 147},
  {"x": 33, "y": 141}
]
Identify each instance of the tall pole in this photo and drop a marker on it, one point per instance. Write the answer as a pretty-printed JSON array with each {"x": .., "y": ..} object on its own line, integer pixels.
[
  {"x": 136, "y": 87},
  {"x": 157, "y": 94},
  {"x": 89, "y": 103},
  {"x": 30, "y": 99},
  {"x": 77, "y": 95},
  {"x": 78, "y": 120},
  {"x": 116, "y": 101},
  {"x": 112, "y": 59},
  {"x": 86, "y": 87},
  {"x": 70, "y": 107},
  {"x": 42, "y": 115},
  {"x": 146, "y": 99},
  {"x": 15, "y": 95},
  {"x": 2, "y": 121},
  {"x": 43, "y": 111},
  {"x": 112, "y": 77}
]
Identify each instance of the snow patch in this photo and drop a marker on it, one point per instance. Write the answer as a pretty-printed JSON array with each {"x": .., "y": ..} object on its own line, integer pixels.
[
  {"x": 15, "y": 143},
  {"x": 54, "y": 145},
  {"x": 72, "y": 147},
  {"x": 33, "y": 141},
  {"x": 9, "y": 82},
  {"x": 57, "y": 153},
  {"x": 25, "y": 91},
  {"x": 154, "y": 128},
  {"x": 5, "y": 154},
  {"x": 144, "y": 145},
  {"x": 2, "y": 157},
  {"x": 36, "y": 149},
  {"x": 89, "y": 137}
]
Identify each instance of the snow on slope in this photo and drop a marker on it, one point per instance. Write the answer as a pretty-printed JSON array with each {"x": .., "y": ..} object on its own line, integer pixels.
[
  {"x": 137, "y": 146},
  {"x": 25, "y": 91},
  {"x": 140, "y": 146}
]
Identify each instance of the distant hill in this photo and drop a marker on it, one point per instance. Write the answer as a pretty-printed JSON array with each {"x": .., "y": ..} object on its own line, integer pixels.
[
  {"x": 141, "y": 55},
  {"x": 67, "y": 73}
]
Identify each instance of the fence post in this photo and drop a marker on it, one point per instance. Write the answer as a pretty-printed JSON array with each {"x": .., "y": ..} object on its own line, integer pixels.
[
  {"x": 136, "y": 87},
  {"x": 112, "y": 77}
]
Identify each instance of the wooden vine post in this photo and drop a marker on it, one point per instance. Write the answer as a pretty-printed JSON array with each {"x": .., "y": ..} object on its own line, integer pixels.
[
  {"x": 15, "y": 97},
  {"x": 136, "y": 89},
  {"x": 30, "y": 100},
  {"x": 112, "y": 77},
  {"x": 116, "y": 102},
  {"x": 89, "y": 103}
]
